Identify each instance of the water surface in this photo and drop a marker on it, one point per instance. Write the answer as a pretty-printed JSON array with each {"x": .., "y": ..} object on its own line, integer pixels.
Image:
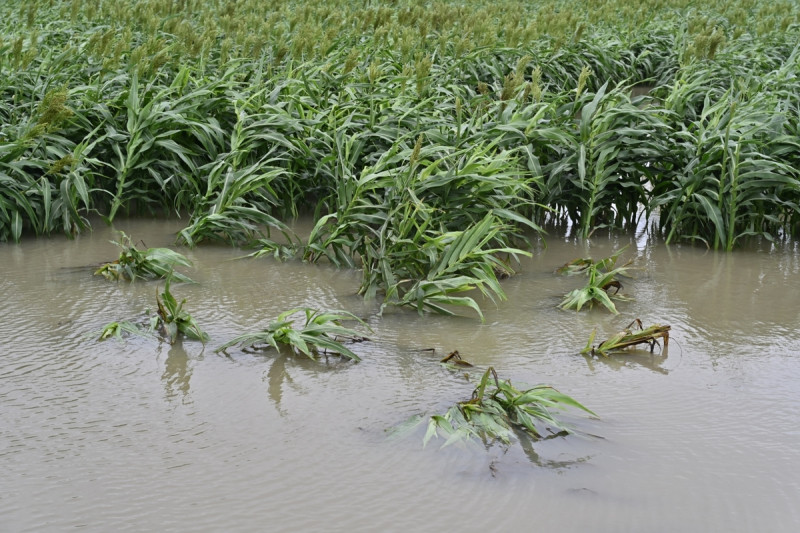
[{"x": 142, "y": 435}]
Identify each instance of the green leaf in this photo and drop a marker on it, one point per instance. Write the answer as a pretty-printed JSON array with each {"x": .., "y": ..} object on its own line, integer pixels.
[{"x": 16, "y": 226}]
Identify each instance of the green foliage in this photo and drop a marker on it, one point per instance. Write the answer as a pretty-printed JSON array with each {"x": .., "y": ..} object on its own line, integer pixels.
[
  {"x": 602, "y": 278},
  {"x": 118, "y": 329},
  {"x": 429, "y": 144},
  {"x": 321, "y": 333},
  {"x": 241, "y": 184},
  {"x": 598, "y": 166},
  {"x": 149, "y": 264},
  {"x": 497, "y": 410},
  {"x": 425, "y": 230},
  {"x": 172, "y": 319},
  {"x": 735, "y": 181}
]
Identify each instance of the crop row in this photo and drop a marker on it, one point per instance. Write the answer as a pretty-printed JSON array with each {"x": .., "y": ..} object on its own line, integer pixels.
[{"x": 426, "y": 139}]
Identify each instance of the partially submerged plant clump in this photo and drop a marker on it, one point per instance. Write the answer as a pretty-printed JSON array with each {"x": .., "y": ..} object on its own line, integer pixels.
[
  {"x": 497, "y": 409},
  {"x": 320, "y": 334},
  {"x": 602, "y": 279},
  {"x": 629, "y": 337},
  {"x": 427, "y": 224},
  {"x": 118, "y": 329},
  {"x": 170, "y": 320},
  {"x": 149, "y": 264}
]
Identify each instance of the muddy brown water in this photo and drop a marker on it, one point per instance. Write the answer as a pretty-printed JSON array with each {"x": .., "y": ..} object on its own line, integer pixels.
[{"x": 139, "y": 436}]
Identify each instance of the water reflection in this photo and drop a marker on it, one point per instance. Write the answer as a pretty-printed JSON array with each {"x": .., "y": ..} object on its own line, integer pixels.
[
  {"x": 528, "y": 447},
  {"x": 735, "y": 316},
  {"x": 731, "y": 288},
  {"x": 276, "y": 377},
  {"x": 177, "y": 372},
  {"x": 631, "y": 359}
]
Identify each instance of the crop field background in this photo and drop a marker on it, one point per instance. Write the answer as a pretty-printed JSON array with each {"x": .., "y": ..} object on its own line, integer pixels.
[
  {"x": 435, "y": 157},
  {"x": 429, "y": 140}
]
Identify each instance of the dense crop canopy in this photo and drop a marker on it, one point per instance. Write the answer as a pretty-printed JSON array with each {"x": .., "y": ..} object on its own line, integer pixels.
[{"x": 429, "y": 140}]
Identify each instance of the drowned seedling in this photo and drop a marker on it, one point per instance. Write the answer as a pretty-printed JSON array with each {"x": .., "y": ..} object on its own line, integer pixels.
[
  {"x": 454, "y": 361},
  {"x": 602, "y": 280},
  {"x": 170, "y": 320},
  {"x": 149, "y": 264},
  {"x": 116, "y": 330},
  {"x": 321, "y": 334},
  {"x": 629, "y": 337},
  {"x": 498, "y": 409}
]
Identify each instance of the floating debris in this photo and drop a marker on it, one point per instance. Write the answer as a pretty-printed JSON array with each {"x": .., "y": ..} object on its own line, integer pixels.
[{"x": 454, "y": 358}]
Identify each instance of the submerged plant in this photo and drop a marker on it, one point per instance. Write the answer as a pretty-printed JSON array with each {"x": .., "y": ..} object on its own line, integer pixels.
[
  {"x": 457, "y": 262},
  {"x": 428, "y": 224},
  {"x": 171, "y": 319},
  {"x": 453, "y": 360},
  {"x": 281, "y": 252},
  {"x": 152, "y": 263},
  {"x": 321, "y": 332},
  {"x": 627, "y": 338},
  {"x": 497, "y": 410},
  {"x": 118, "y": 329},
  {"x": 602, "y": 278}
]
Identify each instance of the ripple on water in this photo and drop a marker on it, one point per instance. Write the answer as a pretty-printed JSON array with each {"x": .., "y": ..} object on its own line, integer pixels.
[{"x": 142, "y": 435}]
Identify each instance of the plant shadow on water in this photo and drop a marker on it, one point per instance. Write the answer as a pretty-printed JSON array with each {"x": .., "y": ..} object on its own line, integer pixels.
[
  {"x": 177, "y": 372},
  {"x": 275, "y": 377},
  {"x": 556, "y": 452},
  {"x": 538, "y": 459},
  {"x": 632, "y": 358},
  {"x": 279, "y": 375},
  {"x": 279, "y": 380}
]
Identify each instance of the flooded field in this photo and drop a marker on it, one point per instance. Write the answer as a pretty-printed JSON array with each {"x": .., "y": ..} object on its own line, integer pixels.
[{"x": 142, "y": 435}]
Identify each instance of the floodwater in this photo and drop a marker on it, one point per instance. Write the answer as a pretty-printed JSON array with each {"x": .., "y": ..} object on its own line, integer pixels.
[{"x": 144, "y": 436}]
